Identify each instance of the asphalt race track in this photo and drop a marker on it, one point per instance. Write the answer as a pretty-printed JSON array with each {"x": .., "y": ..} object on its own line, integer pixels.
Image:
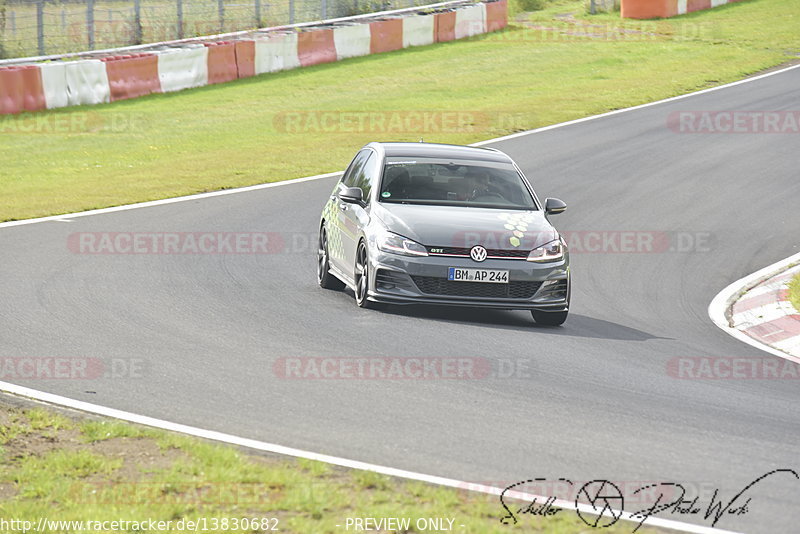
[{"x": 204, "y": 331}]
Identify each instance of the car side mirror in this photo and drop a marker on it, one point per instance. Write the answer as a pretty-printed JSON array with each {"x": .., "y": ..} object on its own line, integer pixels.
[
  {"x": 352, "y": 195},
  {"x": 554, "y": 206}
]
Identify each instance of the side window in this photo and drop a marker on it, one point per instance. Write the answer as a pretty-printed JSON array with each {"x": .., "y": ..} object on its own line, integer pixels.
[
  {"x": 356, "y": 167},
  {"x": 373, "y": 171},
  {"x": 365, "y": 169}
]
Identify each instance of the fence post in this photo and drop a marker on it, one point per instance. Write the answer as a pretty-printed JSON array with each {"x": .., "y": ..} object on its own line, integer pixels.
[
  {"x": 221, "y": 12},
  {"x": 90, "y": 22},
  {"x": 291, "y": 11},
  {"x": 324, "y": 14},
  {"x": 179, "y": 6},
  {"x": 137, "y": 22},
  {"x": 40, "y": 26},
  {"x": 258, "y": 13}
]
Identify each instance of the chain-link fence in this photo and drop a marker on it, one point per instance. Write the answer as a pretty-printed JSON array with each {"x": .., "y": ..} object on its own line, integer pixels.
[{"x": 40, "y": 27}]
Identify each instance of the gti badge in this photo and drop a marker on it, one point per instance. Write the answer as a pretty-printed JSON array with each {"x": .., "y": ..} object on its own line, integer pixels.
[{"x": 477, "y": 253}]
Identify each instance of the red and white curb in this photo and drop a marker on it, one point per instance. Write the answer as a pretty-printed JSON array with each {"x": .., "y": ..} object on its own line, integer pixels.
[
  {"x": 756, "y": 310},
  {"x": 765, "y": 313}
]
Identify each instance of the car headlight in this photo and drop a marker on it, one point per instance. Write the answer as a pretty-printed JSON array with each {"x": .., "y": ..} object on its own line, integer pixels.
[
  {"x": 397, "y": 244},
  {"x": 552, "y": 251}
]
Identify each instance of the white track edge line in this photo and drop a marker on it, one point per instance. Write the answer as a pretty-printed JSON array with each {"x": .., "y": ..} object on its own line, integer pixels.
[
  {"x": 331, "y": 174},
  {"x": 718, "y": 309},
  {"x": 230, "y": 439},
  {"x": 173, "y": 200},
  {"x": 634, "y": 108}
]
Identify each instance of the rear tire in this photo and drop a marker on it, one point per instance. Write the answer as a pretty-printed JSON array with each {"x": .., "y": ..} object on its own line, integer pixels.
[
  {"x": 549, "y": 318},
  {"x": 324, "y": 277}
]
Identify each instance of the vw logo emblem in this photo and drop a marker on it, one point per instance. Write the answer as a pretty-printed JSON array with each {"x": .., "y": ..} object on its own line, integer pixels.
[{"x": 477, "y": 253}]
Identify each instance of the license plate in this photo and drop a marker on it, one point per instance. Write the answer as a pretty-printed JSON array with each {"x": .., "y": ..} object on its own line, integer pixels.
[{"x": 491, "y": 276}]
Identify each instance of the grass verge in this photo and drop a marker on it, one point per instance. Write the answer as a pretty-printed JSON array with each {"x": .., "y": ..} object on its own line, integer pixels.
[
  {"x": 794, "y": 292},
  {"x": 554, "y": 65},
  {"x": 76, "y": 469}
]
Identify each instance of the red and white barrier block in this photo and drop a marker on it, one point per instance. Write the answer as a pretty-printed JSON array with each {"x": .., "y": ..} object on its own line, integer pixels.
[
  {"x": 651, "y": 9},
  {"x": 471, "y": 21},
  {"x": 167, "y": 67},
  {"x": 419, "y": 30},
  {"x": 21, "y": 89},
  {"x": 183, "y": 68},
  {"x": 765, "y": 314},
  {"x": 352, "y": 40}
]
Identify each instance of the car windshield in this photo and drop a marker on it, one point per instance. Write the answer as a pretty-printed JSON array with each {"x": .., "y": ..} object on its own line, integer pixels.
[{"x": 409, "y": 180}]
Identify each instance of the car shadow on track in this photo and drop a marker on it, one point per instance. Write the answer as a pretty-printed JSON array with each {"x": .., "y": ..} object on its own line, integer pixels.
[{"x": 576, "y": 326}]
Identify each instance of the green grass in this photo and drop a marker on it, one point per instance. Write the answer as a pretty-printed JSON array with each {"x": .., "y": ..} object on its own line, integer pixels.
[
  {"x": 93, "y": 431},
  {"x": 233, "y": 135},
  {"x": 794, "y": 292},
  {"x": 104, "y": 470}
]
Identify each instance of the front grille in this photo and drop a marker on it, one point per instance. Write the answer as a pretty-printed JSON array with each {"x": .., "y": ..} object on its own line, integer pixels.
[
  {"x": 463, "y": 251},
  {"x": 444, "y": 287}
]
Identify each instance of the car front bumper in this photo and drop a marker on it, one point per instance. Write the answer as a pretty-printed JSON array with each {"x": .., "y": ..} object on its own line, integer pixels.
[{"x": 399, "y": 279}]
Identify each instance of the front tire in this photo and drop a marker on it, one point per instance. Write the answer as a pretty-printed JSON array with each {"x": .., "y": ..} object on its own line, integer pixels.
[
  {"x": 549, "y": 318},
  {"x": 324, "y": 277},
  {"x": 362, "y": 278}
]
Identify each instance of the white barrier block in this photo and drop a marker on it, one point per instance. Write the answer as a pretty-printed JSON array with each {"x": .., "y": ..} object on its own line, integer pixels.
[
  {"x": 183, "y": 68},
  {"x": 418, "y": 31},
  {"x": 717, "y": 3},
  {"x": 352, "y": 41},
  {"x": 54, "y": 84},
  {"x": 87, "y": 82},
  {"x": 470, "y": 21},
  {"x": 276, "y": 52}
]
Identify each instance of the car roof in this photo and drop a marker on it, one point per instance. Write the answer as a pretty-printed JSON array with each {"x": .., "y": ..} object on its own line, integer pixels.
[{"x": 442, "y": 151}]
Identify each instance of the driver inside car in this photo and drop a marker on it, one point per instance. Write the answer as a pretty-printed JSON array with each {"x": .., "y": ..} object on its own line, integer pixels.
[{"x": 479, "y": 185}]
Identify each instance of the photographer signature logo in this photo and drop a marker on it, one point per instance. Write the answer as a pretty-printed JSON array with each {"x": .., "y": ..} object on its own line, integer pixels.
[
  {"x": 606, "y": 499},
  {"x": 600, "y": 503}
]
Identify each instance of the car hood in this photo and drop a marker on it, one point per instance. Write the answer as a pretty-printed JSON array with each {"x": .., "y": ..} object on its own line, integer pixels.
[{"x": 452, "y": 226}]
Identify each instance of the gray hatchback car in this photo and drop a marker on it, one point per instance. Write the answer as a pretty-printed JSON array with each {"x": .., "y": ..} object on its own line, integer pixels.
[{"x": 423, "y": 223}]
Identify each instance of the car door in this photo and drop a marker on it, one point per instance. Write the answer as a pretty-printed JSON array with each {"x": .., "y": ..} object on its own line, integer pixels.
[
  {"x": 354, "y": 217},
  {"x": 340, "y": 250}
]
